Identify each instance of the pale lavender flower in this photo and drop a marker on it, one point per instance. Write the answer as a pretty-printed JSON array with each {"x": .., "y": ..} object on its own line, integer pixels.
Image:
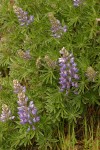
[
  {"x": 27, "y": 55},
  {"x": 76, "y": 3},
  {"x": 57, "y": 29},
  {"x": 36, "y": 119},
  {"x": 33, "y": 127},
  {"x": 68, "y": 72},
  {"x": 6, "y": 114},
  {"x": 28, "y": 129},
  {"x": 23, "y": 17}
]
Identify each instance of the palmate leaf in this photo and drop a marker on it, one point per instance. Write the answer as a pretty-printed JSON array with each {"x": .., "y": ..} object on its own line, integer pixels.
[
  {"x": 45, "y": 140},
  {"x": 73, "y": 112},
  {"x": 47, "y": 76},
  {"x": 55, "y": 104},
  {"x": 22, "y": 136},
  {"x": 91, "y": 97}
]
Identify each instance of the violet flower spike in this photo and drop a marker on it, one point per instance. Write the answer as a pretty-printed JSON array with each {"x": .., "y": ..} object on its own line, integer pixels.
[
  {"x": 27, "y": 112},
  {"x": 6, "y": 114},
  {"x": 56, "y": 29},
  {"x": 23, "y": 17},
  {"x": 68, "y": 72}
]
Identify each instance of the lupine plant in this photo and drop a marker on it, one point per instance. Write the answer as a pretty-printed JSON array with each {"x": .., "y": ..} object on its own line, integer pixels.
[
  {"x": 49, "y": 74},
  {"x": 68, "y": 71},
  {"x": 57, "y": 30},
  {"x": 6, "y": 113},
  {"x": 23, "y": 17},
  {"x": 27, "y": 114}
]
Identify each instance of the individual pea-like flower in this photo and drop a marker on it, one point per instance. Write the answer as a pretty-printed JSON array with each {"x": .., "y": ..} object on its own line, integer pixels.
[
  {"x": 23, "y": 17},
  {"x": 25, "y": 55},
  {"x": 68, "y": 72},
  {"x": 57, "y": 29},
  {"x": 76, "y": 2},
  {"x": 91, "y": 73},
  {"x": 27, "y": 112},
  {"x": 33, "y": 112},
  {"x": 6, "y": 114}
]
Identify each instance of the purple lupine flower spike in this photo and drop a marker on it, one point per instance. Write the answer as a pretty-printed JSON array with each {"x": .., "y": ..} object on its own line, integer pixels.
[
  {"x": 23, "y": 17},
  {"x": 6, "y": 114},
  {"x": 68, "y": 72},
  {"x": 57, "y": 29},
  {"x": 18, "y": 88},
  {"x": 27, "y": 112}
]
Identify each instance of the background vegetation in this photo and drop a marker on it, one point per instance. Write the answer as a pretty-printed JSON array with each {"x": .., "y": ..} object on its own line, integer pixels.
[{"x": 67, "y": 122}]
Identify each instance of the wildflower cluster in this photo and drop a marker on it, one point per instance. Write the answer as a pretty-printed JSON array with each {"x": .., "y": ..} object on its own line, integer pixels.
[
  {"x": 27, "y": 113},
  {"x": 23, "y": 17},
  {"x": 57, "y": 29},
  {"x": 6, "y": 114},
  {"x": 68, "y": 72},
  {"x": 25, "y": 55}
]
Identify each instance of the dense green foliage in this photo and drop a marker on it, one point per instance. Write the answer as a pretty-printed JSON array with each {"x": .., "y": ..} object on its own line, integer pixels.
[{"x": 59, "y": 114}]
